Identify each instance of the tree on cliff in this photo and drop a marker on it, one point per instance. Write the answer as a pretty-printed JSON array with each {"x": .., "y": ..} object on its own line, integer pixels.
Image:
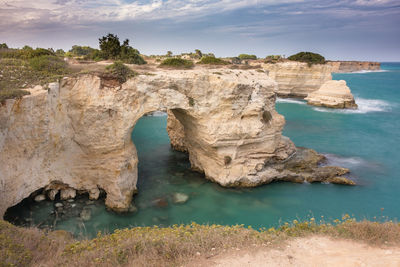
[{"x": 111, "y": 48}]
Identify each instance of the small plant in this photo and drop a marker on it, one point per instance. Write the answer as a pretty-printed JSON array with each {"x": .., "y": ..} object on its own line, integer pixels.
[
  {"x": 191, "y": 102},
  {"x": 308, "y": 57},
  {"x": 212, "y": 61},
  {"x": 120, "y": 71},
  {"x": 177, "y": 63}
]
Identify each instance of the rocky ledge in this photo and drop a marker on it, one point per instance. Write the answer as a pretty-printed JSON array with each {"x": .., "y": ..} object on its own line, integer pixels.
[{"x": 332, "y": 94}]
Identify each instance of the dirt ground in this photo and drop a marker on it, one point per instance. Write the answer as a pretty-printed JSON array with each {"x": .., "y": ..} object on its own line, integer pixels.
[{"x": 308, "y": 251}]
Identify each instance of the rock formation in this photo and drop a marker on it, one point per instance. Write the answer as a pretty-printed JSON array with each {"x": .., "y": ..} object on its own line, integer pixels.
[
  {"x": 75, "y": 137},
  {"x": 297, "y": 79},
  {"x": 352, "y": 66},
  {"x": 332, "y": 94}
]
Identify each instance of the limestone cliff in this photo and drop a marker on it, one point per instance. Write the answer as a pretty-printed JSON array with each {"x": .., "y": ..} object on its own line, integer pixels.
[
  {"x": 297, "y": 79},
  {"x": 352, "y": 66},
  {"x": 332, "y": 94},
  {"x": 77, "y": 133}
]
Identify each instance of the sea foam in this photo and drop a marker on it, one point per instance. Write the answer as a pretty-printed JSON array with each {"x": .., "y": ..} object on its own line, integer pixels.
[
  {"x": 349, "y": 162},
  {"x": 364, "y": 106},
  {"x": 364, "y": 71},
  {"x": 290, "y": 100}
]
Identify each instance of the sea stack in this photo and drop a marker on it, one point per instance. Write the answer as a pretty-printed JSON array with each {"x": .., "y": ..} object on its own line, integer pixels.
[{"x": 332, "y": 94}]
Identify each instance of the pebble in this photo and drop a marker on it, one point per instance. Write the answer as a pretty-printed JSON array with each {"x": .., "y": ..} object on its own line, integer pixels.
[{"x": 58, "y": 205}]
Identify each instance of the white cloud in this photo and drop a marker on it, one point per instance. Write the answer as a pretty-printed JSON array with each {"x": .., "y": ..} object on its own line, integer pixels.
[{"x": 26, "y": 12}]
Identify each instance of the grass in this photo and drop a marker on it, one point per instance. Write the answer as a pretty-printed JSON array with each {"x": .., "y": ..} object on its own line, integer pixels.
[
  {"x": 212, "y": 61},
  {"x": 177, "y": 63},
  {"x": 171, "y": 246}
]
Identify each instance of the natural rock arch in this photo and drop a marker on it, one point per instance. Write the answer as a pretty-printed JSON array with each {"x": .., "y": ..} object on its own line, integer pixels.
[{"x": 78, "y": 132}]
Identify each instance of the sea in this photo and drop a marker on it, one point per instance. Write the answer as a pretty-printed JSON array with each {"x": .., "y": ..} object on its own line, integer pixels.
[{"x": 366, "y": 140}]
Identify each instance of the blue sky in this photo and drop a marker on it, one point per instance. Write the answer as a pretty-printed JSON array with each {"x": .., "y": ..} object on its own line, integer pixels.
[{"x": 342, "y": 29}]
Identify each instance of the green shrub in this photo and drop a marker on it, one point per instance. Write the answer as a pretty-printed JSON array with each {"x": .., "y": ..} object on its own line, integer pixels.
[
  {"x": 273, "y": 59},
  {"x": 308, "y": 57},
  {"x": 48, "y": 64},
  {"x": 246, "y": 56},
  {"x": 177, "y": 63},
  {"x": 120, "y": 71},
  {"x": 3, "y": 46},
  {"x": 212, "y": 61},
  {"x": 78, "y": 51},
  {"x": 131, "y": 55},
  {"x": 11, "y": 94},
  {"x": 25, "y": 53}
]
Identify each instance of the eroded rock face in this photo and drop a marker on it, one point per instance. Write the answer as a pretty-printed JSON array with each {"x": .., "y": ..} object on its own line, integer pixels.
[
  {"x": 332, "y": 94},
  {"x": 77, "y": 134},
  {"x": 297, "y": 79}
]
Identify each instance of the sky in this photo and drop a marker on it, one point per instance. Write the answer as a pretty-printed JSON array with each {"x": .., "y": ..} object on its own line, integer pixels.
[{"x": 337, "y": 29}]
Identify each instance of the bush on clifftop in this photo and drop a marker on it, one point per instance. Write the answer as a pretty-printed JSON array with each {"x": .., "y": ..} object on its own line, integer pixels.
[
  {"x": 48, "y": 64},
  {"x": 212, "y": 61},
  {"x": 177, "y": 63},
  {"x": 246, "y": 56},
  {"x": 120, "y": 71},
  {"x": 308, "y": 57}
]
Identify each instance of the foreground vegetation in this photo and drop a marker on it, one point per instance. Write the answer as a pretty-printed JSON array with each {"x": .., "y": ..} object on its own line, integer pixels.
[{"x": 154, "y": 246}]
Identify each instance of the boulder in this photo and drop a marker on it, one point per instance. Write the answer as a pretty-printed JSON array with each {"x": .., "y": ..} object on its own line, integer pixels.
[
  {"x": 67, "y": 193},
  {"x": 51, "y": 194},
  {"x": 86, "y": 214},
  {"x": 40, "y": 198}
]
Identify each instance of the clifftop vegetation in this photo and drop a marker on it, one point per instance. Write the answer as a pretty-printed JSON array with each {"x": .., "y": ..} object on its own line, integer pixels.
[
  {"x": 178, "y": 63},
  {"x": 308, "y": 57},
  {"x": 246, "y": 56},
  {"x": 25, "y": 67},
  {"x": 212, "y": 61}
]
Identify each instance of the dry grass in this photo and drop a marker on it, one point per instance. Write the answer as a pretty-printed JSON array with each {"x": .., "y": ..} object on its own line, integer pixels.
[{"x": 175, "y": 245}]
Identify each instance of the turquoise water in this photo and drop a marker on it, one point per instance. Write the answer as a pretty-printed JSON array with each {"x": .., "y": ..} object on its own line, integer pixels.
[{"x": 366, "y": 141}]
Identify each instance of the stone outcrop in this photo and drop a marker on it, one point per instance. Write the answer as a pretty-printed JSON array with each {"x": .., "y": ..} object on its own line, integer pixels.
[
  {"x": 297, "y": 79},
  {"x": 352, "y": 66},
  {"x": 75, "y": 137},
  {"x": 332, "y": 94}
]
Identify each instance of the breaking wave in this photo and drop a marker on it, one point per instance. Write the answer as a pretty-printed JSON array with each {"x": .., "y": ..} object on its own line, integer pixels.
[
  {"x": 290, "y": 100},
  {"x": 364, "y": 106},
  {"x": 364, "y": 71}
]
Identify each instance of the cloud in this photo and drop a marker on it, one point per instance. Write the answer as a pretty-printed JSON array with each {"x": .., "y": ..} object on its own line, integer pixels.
[{"x": 26, "y": 12}]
